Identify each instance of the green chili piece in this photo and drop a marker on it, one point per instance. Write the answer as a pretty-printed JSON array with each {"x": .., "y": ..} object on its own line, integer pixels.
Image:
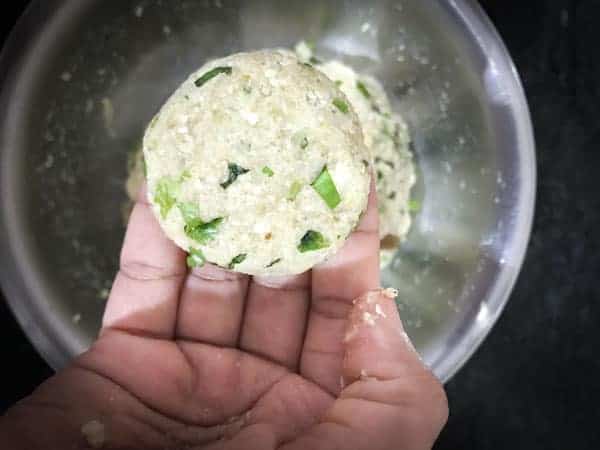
[{"x": 325, "y": 187}]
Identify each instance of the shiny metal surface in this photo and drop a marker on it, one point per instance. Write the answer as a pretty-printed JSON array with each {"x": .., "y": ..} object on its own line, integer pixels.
[{"x": 81, "y": 78}]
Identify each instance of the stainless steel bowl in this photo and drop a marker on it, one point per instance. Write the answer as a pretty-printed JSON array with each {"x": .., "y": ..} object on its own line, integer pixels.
[{"x": 81, "y": 78}]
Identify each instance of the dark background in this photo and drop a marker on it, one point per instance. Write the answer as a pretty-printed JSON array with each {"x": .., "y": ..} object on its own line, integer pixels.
[{"x": 535, "y": 382}]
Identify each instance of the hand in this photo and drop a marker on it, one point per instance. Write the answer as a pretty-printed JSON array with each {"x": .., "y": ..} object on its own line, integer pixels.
[{"x": 216, "y": 360}]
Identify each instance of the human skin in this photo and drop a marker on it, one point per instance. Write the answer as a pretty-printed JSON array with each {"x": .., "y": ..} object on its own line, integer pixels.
[{"x": 209, "y": 359}]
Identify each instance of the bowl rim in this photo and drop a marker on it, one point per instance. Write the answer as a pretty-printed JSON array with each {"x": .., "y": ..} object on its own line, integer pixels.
[
  {"x": 23, "y": 295},
  {"x": 471, "y": 15}
]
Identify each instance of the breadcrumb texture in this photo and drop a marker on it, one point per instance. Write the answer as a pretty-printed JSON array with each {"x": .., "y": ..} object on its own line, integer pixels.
[
  {"x": 387, "y": 137},
  {"x": 264, "y": 109}
]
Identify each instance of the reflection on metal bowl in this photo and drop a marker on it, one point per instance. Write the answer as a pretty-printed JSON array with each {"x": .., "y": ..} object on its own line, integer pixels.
[{"x": 81, "y": 78}]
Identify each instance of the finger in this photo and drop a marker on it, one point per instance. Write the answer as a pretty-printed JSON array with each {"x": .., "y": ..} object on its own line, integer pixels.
[
  {"x": 212, "y": 306},
  {"x": 353, "y": 271},
  {"x": 275, "y": 318},
  {"x": 393, "y": 400},
  {"x": 375, "y": 343},
  {"x": 145, "y": 294}
]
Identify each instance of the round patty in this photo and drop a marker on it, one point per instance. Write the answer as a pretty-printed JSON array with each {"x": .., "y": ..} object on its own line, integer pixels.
[{"x": 257, "y": 163}]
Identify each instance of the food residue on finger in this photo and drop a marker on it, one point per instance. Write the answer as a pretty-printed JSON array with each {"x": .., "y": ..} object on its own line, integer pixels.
[{"x": 94, "y": 433}]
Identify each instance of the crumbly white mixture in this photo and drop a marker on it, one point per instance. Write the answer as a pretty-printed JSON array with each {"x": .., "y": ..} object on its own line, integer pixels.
[
  {"x": 386, "y": 136},
  {"x": 94, "y": 433},
  {"x": 258, "y": 163}
]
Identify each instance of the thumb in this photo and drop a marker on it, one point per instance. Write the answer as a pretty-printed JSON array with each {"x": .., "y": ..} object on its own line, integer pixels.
[{"x": 391, "y": 400}]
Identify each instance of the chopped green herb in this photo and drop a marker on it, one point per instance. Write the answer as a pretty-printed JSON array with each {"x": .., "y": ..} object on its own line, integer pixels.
[
  {"x": 392, "y": 195},
  {"x": 268, "y": 171},
  {"x": 234, "y": 172},
  {"x": 363, "y": 89},
  {"x": 365, "y": 163},
  {"x": 200, "y": 231},
  {"x": 211, "y": 74},
  {"x": 247, "y": 89},
  {"x": 187, "y": 97},
  {"x": 314, "y": 60},
  {"x": 166, "y": 190},
  {"x": 325, "y": 187},
  {"x": 189, "y": 211},
  {"x": 414, "y": 206},
  {"x": 379, "y": 175},
  {"x": 195, "y": 228},
  {"x": 304, "y": 143},
  {"x": 237, "y": 260},
  {"x": 341, "y": 105},
  {"x": 307, "y": 64},
  {"x": 195, "y": 258},
  {"x": 144, "y": 167},
  {"x": 273, "y": 263},
  {"x": 338, "y": 83},
  {"x": 294, "y": 191},
  {"x": 313, "y": 241}
]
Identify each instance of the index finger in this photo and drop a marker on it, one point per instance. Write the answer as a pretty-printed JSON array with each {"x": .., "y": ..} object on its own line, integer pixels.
[
  {"x": 145, "y": 294},
  {"x": 335, "y": 284}
]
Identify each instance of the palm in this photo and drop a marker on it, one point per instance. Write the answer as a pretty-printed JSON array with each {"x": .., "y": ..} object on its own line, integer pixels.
[
  {"x": 211, "y": 359},
  {"x": 197, "y": 394}
]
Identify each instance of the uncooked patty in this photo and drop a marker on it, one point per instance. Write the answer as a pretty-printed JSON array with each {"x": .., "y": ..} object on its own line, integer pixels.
[{"x": 258, "y": 164}]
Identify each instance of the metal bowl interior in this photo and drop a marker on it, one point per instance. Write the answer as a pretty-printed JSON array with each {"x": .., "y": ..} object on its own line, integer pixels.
[{"x": 82, "y": 78}]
